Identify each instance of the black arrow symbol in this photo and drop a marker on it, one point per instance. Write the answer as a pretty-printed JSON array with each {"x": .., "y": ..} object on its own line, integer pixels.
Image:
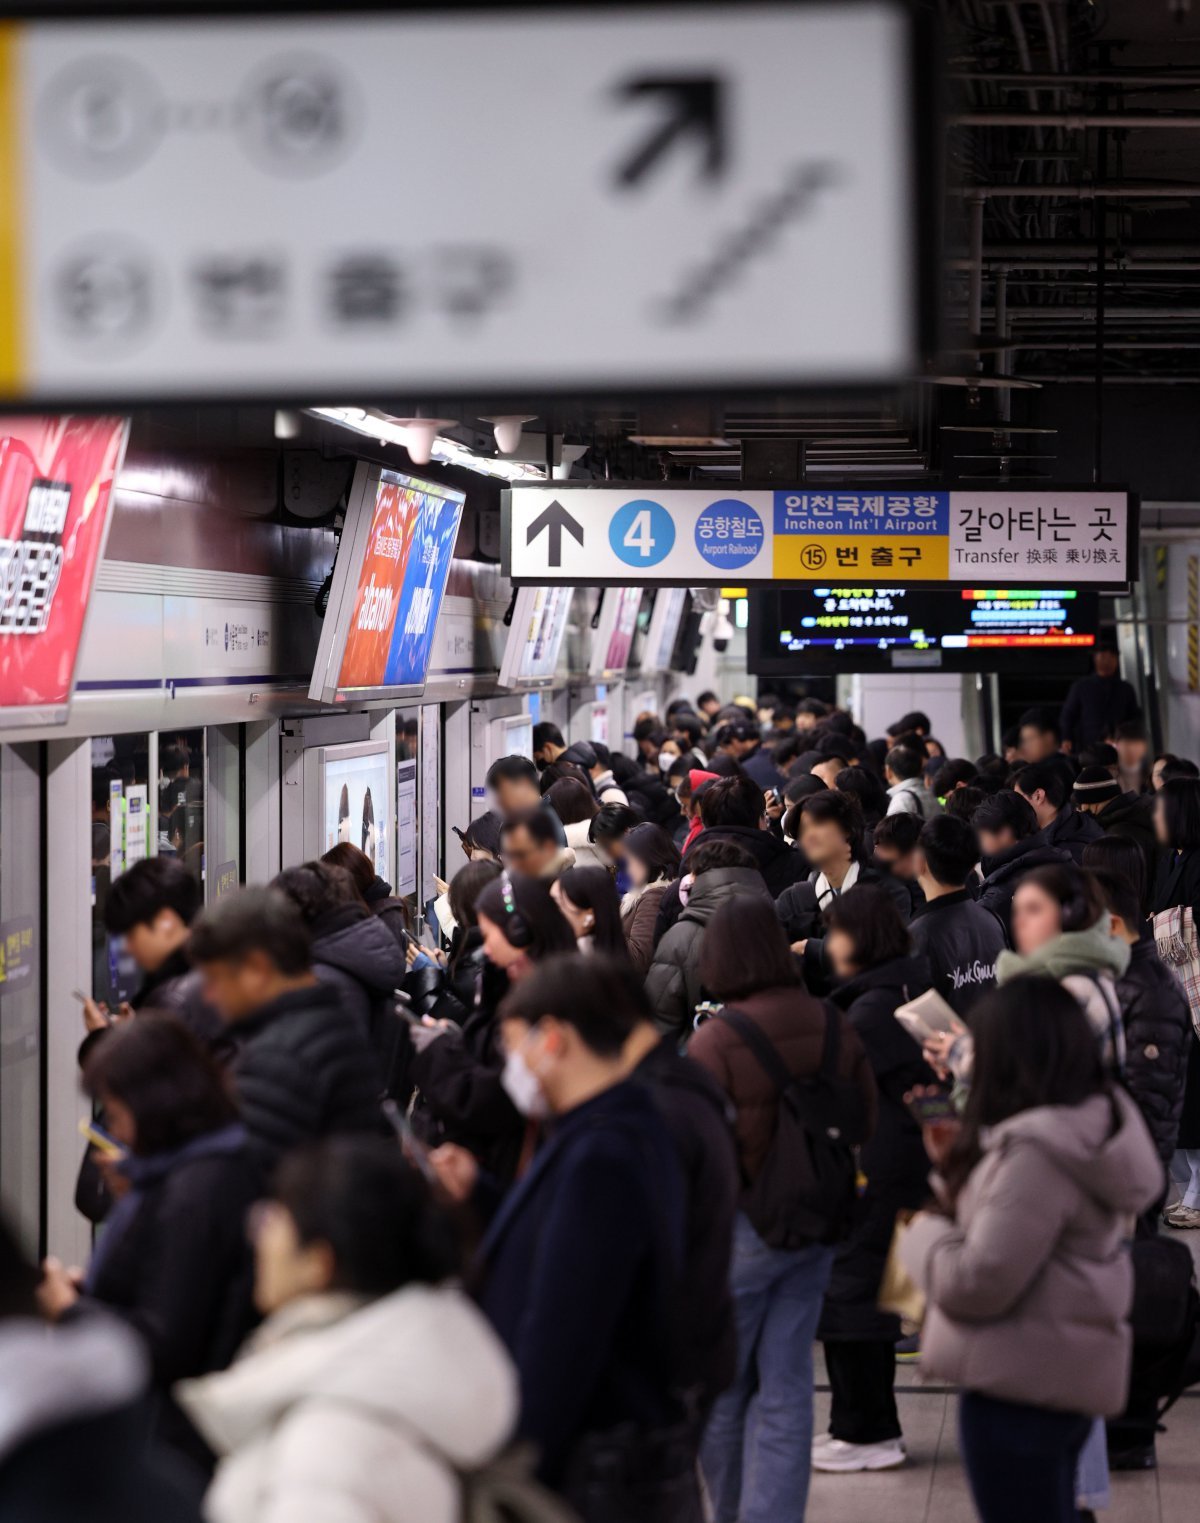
[
  {"x": 697, "y": 109},
  {"x": 554, "y": 520}
]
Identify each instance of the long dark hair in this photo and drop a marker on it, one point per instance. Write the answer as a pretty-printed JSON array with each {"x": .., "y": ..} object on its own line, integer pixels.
[
  {"x": 592, "y": 888},
  {"x": 655, "y": 850},
  {"x": 1180, "y": 797},
  {"x": 543, "y": 920},
  {"x": 156, "y": 1067},
  {"x": 1033, "y": 1047}
]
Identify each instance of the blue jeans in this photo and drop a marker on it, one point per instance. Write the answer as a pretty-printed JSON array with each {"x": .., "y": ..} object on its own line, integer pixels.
[{"x": 758, "y": 1446}]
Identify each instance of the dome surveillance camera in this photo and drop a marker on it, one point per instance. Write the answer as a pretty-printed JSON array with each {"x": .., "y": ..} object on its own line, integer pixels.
[{"x": 507, "y": 428}]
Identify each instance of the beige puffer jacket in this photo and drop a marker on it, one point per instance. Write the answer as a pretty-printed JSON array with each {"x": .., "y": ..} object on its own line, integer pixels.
[{"x": 1029, "y": 1290}]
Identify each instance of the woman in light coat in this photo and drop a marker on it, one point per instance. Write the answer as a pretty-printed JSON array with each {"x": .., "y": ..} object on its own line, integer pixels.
[
  {"x": 1026, "y": 1270},
  {"x": 373, "y": 1380}
]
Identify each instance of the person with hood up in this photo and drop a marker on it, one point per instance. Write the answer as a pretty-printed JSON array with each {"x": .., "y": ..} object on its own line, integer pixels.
[
  {"x": 1025, "y": 1265},
  {"x": 689, "y": 803},
  {"x": 1012, "y": 846},
  {"x": 374, "y": 1380},
  {"x": 719, "y": 870},
  {"x": 869, "y": 950},
  {"x": 354, "y": 953},
  {"x": 651, "y": 864},
  {"x": 1061, "y": 825},
  {"x": 73, "y": 1410}
]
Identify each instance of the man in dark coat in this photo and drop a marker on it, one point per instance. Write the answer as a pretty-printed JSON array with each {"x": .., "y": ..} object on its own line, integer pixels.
[
  {"x": 581, "y": 1266},
  {"x": 1012, "y": 846},
  {"x": 1116, "y": 813},
  {"x": 305, "y": 1069},
  {"x": 1061, "y": 826},
  {"x": 1096, "y": 705},
  {"x": 958, "y": 937}
]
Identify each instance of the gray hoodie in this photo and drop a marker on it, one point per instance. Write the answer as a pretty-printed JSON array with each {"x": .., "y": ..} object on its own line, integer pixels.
[{"x": 1029, "y": 1289}]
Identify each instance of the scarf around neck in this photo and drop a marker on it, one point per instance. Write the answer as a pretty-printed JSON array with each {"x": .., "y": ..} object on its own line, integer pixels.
[{"x": 1092, "y": 951}]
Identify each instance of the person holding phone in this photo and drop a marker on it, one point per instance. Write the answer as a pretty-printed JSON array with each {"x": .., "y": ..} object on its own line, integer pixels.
[{"x": 1024, "y": 1265}]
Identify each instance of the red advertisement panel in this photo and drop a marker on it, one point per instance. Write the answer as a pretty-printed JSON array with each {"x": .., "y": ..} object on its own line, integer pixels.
[
  {"x": 56, "y": 481},
  {"x": 377, "y": 598}
]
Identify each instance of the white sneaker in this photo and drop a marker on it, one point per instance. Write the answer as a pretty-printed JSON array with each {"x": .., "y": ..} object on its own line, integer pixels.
[{"x": 835, "y": 1456}]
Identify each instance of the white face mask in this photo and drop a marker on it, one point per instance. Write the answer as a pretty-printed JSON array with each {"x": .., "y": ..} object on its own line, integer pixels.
[
  {"x": 520, "y": 1084},
  {"x": 666, "y": 761}
]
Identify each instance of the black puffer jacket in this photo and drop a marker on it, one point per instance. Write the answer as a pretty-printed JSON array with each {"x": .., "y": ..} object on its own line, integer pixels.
[
  {"x": 1132, "y": 817},
  {"x": 305, "y": 1070},
  {"x": 961, "y": 942},
  {"x": 1003, "y": 873},
  {"x": 893, "y": 1161},
  {"x": 802, "y": 917},
  {"x": 1158, "y": 1037},
  {"x": 1070, "y": 830},
  {"x": 356, "y": 955},
  {"x": 389, "y": 910}
]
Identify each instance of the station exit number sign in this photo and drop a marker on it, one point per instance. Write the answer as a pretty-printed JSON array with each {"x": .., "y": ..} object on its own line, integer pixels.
[{"x": 316, "y": 207}]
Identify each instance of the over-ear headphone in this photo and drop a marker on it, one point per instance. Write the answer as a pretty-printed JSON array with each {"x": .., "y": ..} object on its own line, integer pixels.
[{"x": 516, "y": 928}]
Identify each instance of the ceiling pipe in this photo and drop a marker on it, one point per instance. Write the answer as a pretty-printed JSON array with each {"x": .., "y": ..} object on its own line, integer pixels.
[
  {"x": 1053, "y": 81},
  {"x": 1127, "y": 191},
  {"x": 1075, "y": 121}
]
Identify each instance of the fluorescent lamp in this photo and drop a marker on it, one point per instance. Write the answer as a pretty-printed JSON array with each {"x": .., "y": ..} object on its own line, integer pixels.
[{"x": 446, "y": 451}]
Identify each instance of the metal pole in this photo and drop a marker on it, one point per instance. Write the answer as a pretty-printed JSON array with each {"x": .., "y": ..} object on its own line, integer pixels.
[
  {"x": 1003, "y": 357},
  {"x": 1074, "y": 121},
  {"x": 975, "y": 289},
  {"x": 1101, "y": 217}
]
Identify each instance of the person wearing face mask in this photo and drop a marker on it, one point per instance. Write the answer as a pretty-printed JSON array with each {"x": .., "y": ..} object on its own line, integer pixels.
[
  {"x": 580, "y": 1268},
  {"x": 459, "y": 1070}
]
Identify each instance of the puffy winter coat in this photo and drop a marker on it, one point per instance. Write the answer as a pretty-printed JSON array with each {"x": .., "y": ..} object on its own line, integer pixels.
[
  {"x": 673, "y": 982},
  {"x": 1070, "y": 830},
  {"x": 358, "y": 956},
  {"x": 1029, "y": 1288},
  {"x": 639, "y": 913},
  {"x": 304, "y": 1071},
  {"x": 893, "y": 1161},
  {"x": 356, "y": 1413},
  {"x": 961, "y": 942},
  {"x": 1003, "y": 873},
  {"x": 1132, "y": 816},
  {"x": 586, "y": 855},
  {"x": 1158, "y": 1037},
  {"x": 780, "y": 865}
]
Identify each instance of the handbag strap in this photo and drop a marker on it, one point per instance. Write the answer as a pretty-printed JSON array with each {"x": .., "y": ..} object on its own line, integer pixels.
[{"x": 768, "y": 1054}]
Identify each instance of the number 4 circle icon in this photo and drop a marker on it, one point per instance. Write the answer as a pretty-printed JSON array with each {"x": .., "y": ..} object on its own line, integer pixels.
[{"x": 641, "y": 533}]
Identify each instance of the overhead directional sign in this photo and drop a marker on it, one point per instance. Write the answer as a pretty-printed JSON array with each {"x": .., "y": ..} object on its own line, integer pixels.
[
  {"x": 692, "y": 536},
  {"x": 317, "y": 207}
]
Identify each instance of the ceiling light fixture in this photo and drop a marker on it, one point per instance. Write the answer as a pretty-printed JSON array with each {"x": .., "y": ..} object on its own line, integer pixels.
[{"x": 507, "y": 428}]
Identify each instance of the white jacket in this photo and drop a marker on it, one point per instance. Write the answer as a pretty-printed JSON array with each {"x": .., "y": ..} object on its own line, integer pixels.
[
  {"x": 339, "y": 1412},
  {"x": 586, "y": 855}
]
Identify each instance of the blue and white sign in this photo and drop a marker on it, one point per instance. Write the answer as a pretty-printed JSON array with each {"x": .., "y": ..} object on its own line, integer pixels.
[
  {"x": 693, "y": 536},
  {"x": 642, "y": 532},
  {"x": 729, "y": 534}
]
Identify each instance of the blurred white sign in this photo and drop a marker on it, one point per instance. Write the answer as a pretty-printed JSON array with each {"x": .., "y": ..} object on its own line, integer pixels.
[{"x": 312, "y": 206}]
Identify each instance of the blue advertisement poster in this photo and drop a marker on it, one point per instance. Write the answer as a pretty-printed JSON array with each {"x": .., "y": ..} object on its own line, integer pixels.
[{"x": 421, "y": 595}]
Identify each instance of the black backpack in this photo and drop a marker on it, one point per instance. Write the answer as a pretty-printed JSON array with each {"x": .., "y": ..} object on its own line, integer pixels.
[{"x": 805, "y": 1192}]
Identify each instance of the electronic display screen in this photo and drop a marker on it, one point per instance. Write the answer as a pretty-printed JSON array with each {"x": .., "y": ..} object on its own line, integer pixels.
[
  {"x": 388, "y": 586},
  {"x": 798, "y": 630},
  {"x": 535, "y": 636}
]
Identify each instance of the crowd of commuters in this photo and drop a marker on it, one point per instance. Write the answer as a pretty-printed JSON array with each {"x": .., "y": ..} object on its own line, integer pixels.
[{"x": 765, "y": 1035}]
